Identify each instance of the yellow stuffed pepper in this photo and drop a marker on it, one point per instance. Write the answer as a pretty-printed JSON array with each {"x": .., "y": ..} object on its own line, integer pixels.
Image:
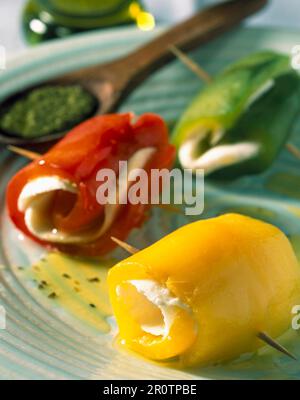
[{"x": 204, "y": 292}]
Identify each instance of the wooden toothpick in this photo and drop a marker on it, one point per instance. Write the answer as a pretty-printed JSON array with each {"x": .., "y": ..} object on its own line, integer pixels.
[
  {"x": 194, "y": 67},
  {"x": 293, "y": 150},
  {"x": 273, "y": 343},
  {"x": 125, "y": 246},
  {"x": 31, "y": 155}
]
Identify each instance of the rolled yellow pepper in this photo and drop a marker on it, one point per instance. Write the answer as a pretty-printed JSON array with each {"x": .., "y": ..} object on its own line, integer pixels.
[{"x": 204, "y": 292}]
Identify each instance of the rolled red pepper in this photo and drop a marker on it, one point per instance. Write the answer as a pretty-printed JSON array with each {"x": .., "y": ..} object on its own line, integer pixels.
[{"x": 98, "y": 143}]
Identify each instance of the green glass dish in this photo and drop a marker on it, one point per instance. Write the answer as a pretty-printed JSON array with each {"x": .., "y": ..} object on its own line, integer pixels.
[{"x": 49, "y": 19}]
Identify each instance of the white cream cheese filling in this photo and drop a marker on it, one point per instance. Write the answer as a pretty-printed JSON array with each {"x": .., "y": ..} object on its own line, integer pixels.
[
  {"x": 217, "y": 157},
  {"x": 152, "y": 305},
  {"x": 37, "y": 197},
  {"x": 224, "y": 155}
]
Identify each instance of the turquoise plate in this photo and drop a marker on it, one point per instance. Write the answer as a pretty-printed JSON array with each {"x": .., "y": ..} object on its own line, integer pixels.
[{"x": 58, "y": 318}]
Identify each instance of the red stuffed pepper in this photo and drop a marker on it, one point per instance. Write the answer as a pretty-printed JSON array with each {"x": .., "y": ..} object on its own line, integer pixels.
[{"x": 54, "y": 199}]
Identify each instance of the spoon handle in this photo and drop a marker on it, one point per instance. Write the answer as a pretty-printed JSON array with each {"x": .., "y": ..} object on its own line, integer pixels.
[{"x": 197, "y": 30}]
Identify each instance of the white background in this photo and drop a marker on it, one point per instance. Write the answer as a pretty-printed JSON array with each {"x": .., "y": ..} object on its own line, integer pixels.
[{"x": 283, "y": 13}]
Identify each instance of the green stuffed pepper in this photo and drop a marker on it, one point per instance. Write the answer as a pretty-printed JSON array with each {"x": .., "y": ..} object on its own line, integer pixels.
[{"x": 239, "y": 122}]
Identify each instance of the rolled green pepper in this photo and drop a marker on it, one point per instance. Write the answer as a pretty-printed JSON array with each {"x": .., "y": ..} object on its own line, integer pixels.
[
  {"x": 212, "y": 134},
  {"x": 263, "y": 129}
]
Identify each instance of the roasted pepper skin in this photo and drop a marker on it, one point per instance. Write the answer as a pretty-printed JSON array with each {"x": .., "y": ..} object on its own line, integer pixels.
[
  {"x": 220, "y": 104},
  {"x": 100, "y": 142},
  {"x": 239, "y": 276},
  {"x": 267, "y": 123}
]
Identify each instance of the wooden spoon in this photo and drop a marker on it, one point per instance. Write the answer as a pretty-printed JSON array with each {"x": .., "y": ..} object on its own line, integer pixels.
[{"x": 112, "y": 82}]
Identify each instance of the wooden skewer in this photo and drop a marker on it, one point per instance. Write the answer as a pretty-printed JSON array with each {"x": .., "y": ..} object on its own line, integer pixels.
[
  {"x": 125, "y": 246},
  {"x": 261, "y": 335},
  {"x": 31, "y": 155},
  {"x": 277, "y": 346},
  {"x": 293, "y": 150},
  {"x": 206, "y": 78},
  {"x": 194, "y": 67}
]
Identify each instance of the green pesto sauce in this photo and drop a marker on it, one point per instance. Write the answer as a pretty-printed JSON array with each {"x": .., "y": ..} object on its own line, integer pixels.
[{"x": 46, "y": 110}]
